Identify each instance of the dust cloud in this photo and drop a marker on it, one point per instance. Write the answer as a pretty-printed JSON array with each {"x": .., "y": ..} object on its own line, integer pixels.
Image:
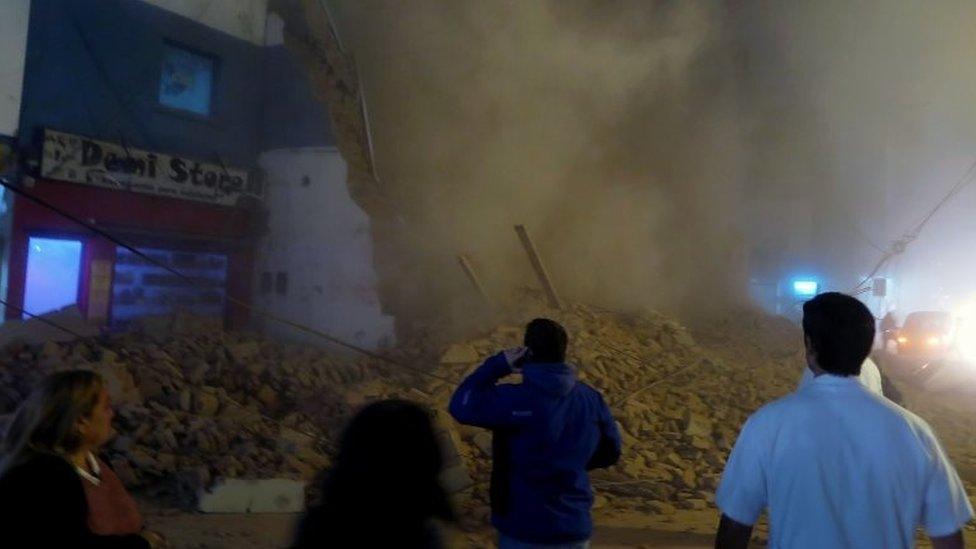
[
  {"x": 611, "y": 134},
  {"x": 655, "y": 150},
  {"x": 862, "y": 112}
]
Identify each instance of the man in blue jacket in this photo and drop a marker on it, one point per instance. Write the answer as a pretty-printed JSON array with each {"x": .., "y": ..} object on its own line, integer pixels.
[{"x": 548, "y": 432}]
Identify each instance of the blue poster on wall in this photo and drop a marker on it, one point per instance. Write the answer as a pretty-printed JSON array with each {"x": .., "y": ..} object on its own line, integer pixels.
[{"x": 186, "y": 80}]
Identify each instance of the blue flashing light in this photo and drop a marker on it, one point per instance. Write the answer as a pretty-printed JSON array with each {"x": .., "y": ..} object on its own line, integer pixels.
[{"x": 806, "y": 288}]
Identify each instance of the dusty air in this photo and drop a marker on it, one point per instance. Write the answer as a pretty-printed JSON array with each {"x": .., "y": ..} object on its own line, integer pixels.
[{"x": 546, "y": 274}]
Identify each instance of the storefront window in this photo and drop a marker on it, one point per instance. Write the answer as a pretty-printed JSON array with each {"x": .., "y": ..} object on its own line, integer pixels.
[{"x": 142, "y": 289}]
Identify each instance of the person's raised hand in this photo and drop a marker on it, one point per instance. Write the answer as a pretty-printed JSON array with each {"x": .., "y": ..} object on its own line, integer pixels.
[{"x": 514, "y": 357}]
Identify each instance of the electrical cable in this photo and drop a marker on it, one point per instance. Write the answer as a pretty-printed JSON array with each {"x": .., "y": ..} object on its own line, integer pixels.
[
  {"x": 313, "y": 436},
  {"x": 103, "y": 75},
  {"x": 47, "y": 321},
  {"x": 666, "y": 377},
  {"x": 899, "y": 246},
  {"x": 193, "y": 283}
]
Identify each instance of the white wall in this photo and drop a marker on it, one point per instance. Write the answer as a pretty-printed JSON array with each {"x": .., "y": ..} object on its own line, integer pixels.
[
  {"x": 241, "y": 18},
  {"x": 321, "y": 238},
  {"x": 14, "y": 16}
]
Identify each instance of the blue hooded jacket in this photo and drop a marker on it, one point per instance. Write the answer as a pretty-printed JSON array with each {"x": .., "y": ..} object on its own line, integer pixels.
[{"x": 548, "y": 432}]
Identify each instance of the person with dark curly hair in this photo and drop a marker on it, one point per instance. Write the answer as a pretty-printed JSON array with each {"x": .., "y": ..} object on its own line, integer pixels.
[{"x": 384, "y": 488}]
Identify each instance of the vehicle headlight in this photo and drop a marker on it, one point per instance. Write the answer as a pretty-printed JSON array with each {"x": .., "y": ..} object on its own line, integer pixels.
[
  {"x": 902, "y": 339},
  {"x": 934, "y": 340}
]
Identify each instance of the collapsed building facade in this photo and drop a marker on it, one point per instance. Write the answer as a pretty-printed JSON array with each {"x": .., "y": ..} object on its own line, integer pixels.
[{"x": 192, "y": 136}]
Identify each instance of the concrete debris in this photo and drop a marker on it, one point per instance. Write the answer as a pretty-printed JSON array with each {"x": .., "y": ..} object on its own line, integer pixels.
[
  {"x": 483, "y": 442},
  {"x": 697, "y": 425},
  {"x": 677, "y": 433},
  {"x": 663, "y": 508},
  {"x": 199, "y": 408},
  {"x": 456, "y": 479},
  {"x": 460, "y": 354},
  {"x": 189, "y": 412},
  {"x": 35, "y": 331}
]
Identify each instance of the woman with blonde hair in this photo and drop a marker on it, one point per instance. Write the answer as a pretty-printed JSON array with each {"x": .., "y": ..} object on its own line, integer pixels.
[{"x": 54, "y": 492}]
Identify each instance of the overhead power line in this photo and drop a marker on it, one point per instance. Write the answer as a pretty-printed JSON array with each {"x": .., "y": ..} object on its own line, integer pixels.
[
  {"x": 194, "y": 283},
  {"x": 899, "y": 246}
]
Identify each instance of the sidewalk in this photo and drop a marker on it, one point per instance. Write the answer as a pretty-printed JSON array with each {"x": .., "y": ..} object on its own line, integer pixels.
[{"x": 606, "y": 537}]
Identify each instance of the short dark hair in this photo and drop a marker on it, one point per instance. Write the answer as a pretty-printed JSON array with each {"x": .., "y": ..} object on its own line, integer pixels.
[
  {"x": 547, "y": 340},
  {"x": 384, "y": 484},
  {"x": 841, "y": 332}
]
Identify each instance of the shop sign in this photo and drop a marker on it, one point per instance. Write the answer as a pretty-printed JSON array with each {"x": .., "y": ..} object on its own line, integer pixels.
[{"x": 78, "y": 159}]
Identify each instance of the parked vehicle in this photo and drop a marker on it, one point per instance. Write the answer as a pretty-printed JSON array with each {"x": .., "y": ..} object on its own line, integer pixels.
[{"x": 927, "y": 334}]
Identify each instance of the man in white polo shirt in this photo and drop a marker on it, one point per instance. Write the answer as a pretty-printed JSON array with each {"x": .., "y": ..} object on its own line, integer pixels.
[{"x": 835, "y": 464}]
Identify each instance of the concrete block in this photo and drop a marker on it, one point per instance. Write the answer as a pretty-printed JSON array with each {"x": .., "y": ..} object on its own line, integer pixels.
[
  {"x": 460, "y": 354},
  {"x": 455, "y": 479},
  {"x": 274, "y": 495},
  {"x": 449, "y": 443}
]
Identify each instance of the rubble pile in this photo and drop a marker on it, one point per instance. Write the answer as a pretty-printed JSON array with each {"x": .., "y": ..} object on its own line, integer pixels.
[
  {"x": 195, "y": 403},
  {"x": 679, "y": 403},
  {"x": 195, "y": 406}
]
